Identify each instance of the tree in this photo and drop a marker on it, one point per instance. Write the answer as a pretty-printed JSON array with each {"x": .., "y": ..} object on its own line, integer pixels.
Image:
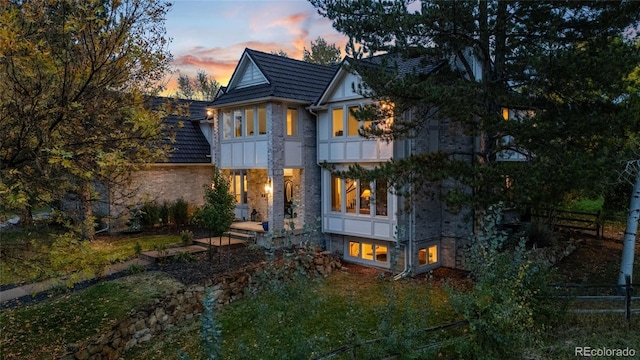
[
  {"x": 201, "y": 88},
  {"x": 280, "y": 53},
  {"x": 536, "y": 57},
  {"x": 72, "y": 105},
  {"x": 322, "y": 53},
  {"x": 218, "y": 212}
]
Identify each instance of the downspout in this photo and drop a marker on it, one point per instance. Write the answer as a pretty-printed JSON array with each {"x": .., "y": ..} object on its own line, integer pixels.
[
  {"x": 327, "y": 244},
  {"x": 411, "y": 234}
]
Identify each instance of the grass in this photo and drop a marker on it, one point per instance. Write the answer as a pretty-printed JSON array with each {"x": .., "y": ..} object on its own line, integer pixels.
[
  {"x": 41, "y": 331},
  {"x": 587, "y": 205},
  {"x": 39, "y": 253},
  {"x": 306, "y": 319}
]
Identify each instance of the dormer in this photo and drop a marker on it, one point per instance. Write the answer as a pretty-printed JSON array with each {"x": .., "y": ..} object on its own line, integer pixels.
[{"x": 247, "y": 74}]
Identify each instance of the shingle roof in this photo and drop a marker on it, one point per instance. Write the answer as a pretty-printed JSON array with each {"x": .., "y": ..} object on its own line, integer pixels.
[
  {"x": 190, "y": 145},
  {"x": 288, "y": 78},
  {"x": 417, "y": 65}
]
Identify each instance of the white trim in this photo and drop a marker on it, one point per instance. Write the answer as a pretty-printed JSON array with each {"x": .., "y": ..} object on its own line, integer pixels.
[{"x": 240, "y": 70}]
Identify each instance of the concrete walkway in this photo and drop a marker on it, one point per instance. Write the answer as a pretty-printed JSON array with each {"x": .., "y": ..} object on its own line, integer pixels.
[{"x": 35, "y": 288}]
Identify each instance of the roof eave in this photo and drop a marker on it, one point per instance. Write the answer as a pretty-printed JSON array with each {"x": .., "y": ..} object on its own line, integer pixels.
[{"x": 262, "y": 100}]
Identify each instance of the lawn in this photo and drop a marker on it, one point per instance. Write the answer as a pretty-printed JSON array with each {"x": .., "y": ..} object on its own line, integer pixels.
[
  {"x": 305, "y": 319},
  {"x": 41, "y": 331},
  {"x": 39, "y": 253}
]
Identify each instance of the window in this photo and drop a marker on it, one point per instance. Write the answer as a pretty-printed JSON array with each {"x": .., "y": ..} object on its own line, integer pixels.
[
  {"x": 226, "y": 125},
  {"x": 354, "y": 249},
  {"x": 237, "y": 116},
  {"x": 242, "y": 122},
  {"x": 336, "y": 194},
  {"x": 262, "y": 120},
  {"x": 338, "y": 122},
  {"x": 358, "y": 197},
  {"x": 292, "y": 122},
  {"x": 238, "y": 184},
  {"x": 365, "y": 198},
  {"x": 352, "y": 123},
  {"x": 351, "y": 189},
  {"x": 369, "y": 251},
  {"x": 381, "y": 198},
  {"x": 248, "y": 115},
  {"x": 428, "y": 255}
]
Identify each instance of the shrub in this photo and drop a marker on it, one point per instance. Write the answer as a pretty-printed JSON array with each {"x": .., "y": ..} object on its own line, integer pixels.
[
  {"x": 187, "y": 237},
  {"x": 150, "y": 212},
  {"x": 507, "y": 309},
  {"x": 135, "y": 269},
  {"x": 183, "y": 257},
  {"x": 165, "y": 213},
  {"x": 180, "y": 212}
]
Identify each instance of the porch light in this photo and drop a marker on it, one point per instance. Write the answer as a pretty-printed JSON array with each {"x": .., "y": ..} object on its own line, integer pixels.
[{"x": 267, "y": 188}]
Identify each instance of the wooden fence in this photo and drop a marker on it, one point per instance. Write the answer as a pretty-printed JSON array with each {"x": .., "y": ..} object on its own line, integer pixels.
[
  {"x": 353, "y": 348},
  {"x": 578, "y": 220},
  {"x": 626, "y": 296}
]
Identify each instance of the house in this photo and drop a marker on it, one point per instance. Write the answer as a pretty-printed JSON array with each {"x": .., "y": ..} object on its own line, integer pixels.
[
  {"x": 185, "y": 171},
  {"x": 281, "y": 124},
  {"x": 265, "y": 138}
]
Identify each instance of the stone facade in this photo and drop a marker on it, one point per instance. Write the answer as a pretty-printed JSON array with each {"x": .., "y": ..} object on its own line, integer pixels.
[
  {"x": 160, "y": 182},
  {"x": 140, "y": 326}
]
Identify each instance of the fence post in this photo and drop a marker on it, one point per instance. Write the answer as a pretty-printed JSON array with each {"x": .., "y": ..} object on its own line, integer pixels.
[{"x": 627, "y": 300}]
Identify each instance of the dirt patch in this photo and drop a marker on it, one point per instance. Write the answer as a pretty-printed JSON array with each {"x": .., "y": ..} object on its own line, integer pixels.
[{"x": 205, "y": 267}]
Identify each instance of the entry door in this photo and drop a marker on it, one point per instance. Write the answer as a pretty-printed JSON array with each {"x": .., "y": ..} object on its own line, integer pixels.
[{"x": 288, "y": 198}]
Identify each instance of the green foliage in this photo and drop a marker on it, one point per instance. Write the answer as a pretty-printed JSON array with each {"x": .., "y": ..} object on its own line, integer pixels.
[
  {"x": 210, "y": 332},
  {"x": 39, "y": 254},
  {"x": 580, "y": 122},
  {"x": 322, "y": 53},
  {"x": 200, "y": 87},
  {"x": 150, "y": 214},
  {"x": 180, "y": 212},
  {"x": 187, "y": 237},
  {"x": 138, "y": 248},
  {"x": 135, "y": 219},
  {"x": 73, "y": 76},
  {"x": 218, "y": 212},
  {"x": 165, "y": 213},
  {"x": 183, "y": 257},
  {"x": 135, "y": 269},
  {"x": 37, "y": 331},
  {"x": 507, "y": 308}
]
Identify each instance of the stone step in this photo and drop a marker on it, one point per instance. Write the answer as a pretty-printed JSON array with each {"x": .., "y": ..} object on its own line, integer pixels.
[
  {"x": 217, "y": 242},
  {"x": 239, "y": 235}
]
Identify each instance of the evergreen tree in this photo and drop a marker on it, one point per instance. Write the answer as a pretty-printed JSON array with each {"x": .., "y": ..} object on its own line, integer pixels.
[{"x": 497, "y": 55}]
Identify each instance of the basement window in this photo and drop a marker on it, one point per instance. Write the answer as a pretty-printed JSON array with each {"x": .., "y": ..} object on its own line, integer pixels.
[{"x": 428, "y": 255}]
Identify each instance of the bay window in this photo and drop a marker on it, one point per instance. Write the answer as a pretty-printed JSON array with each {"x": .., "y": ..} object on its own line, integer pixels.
[
  {"x": 358, "y": 196},
  {"x": 243, "y": 122}
]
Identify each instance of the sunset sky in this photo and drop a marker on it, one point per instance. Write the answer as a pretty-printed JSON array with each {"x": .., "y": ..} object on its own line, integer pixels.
[{"x": 212, "y": 34}]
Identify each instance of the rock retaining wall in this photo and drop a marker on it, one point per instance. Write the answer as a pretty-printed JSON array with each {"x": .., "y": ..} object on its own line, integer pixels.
[{"x": 140, "y": 326}]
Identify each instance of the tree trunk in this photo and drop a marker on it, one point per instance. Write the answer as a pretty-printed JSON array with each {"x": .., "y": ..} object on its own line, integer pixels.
[
  {"x": 87, "y": 225},
  {"x": 629, "y": 242}
]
